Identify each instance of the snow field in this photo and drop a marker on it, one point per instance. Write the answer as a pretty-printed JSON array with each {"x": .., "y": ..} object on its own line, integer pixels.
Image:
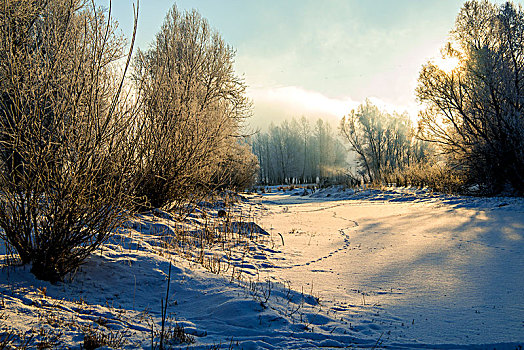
[
  {"x": 395, "y": 269},
  {"x": 417, "y": 268}
]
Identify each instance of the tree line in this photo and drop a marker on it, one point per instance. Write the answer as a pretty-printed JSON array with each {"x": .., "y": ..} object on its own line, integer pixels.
[
  {"x": 377, "y": 142},
  {"x": 384, "y": 143},
  {"x": 298, "y": 151}
]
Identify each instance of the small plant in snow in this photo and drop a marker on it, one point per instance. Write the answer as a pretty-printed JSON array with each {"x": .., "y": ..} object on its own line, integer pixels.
[{"x": 94, "y": 339}]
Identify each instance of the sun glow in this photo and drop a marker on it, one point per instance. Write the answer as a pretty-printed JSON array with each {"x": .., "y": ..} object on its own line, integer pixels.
[{"x": 447, "y": 64}]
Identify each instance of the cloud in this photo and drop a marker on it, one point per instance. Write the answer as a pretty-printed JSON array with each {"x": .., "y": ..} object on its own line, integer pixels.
[
  {"x": 276, "y": 104},
  {"x": 294, "y": 98},
  {"x": 279, "y": 103}
]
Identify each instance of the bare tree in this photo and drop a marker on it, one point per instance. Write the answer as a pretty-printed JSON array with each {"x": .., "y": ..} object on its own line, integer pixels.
[
  {"x": 303, "y": 126},
  {"x": 64, "y": 150},
  {"x": 384, "y": 143},
  {"x": 295, "y": 152},
  {"x": 474, "y": 112}
]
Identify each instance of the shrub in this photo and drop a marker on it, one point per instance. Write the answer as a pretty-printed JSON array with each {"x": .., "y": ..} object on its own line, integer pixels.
[
  {"x": 64, "y": 156},
  {"x": 438, "y": 177},
  {"x": 238, "y": 171}
]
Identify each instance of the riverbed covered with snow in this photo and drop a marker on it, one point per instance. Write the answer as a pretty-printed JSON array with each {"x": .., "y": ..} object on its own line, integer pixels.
[{"x": 390, "y": 268}]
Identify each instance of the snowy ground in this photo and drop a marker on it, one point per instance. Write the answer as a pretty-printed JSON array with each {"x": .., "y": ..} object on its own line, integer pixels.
[
  {"x": 395, "y": 269},
  {"x": 415, "y": 267}
]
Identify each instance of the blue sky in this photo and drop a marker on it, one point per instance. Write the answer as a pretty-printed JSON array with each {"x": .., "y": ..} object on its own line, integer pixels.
[{"x": 317, "y": 58}]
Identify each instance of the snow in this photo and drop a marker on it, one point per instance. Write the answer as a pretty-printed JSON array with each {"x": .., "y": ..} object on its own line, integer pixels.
[{"x": 389, "y": 268}]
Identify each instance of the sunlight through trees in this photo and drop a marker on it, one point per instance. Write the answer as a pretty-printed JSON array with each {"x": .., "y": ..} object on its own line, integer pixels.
[{"x": 474, "y": 112}]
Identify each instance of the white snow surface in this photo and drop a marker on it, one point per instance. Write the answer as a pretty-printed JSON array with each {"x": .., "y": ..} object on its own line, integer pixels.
[{"x": 391, "y": 268}]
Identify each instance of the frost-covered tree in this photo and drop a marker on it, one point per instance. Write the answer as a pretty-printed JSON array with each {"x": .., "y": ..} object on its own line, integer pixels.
[
  {"x": 475, "y": 111},
  {"x": 192, "y": 107},
  {"x": 239, "y": 170},
  {"x": 382, "y": 142},
  {"x": 297, "y": 152}
]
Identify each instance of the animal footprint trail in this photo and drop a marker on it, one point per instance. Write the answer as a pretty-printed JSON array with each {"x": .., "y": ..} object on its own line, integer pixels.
[
  {"x": 343, "y": 232},
  {"x": 330, "y": 254}
]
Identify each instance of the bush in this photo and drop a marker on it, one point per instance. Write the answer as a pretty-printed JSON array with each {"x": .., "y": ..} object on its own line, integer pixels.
[
  {"x": 239, "y": 170},
  {"x": 65, "y": 160},
  {"x": 438, "y": 177}
]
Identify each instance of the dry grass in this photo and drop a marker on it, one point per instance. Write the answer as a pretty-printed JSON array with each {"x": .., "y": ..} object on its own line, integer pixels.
[
  {"x": 439, "y": 178},
  {"x": 95, "y": 338}
]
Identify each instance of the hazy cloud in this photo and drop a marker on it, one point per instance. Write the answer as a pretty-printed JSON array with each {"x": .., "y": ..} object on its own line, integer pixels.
[{"x": 273, "y": 105}]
